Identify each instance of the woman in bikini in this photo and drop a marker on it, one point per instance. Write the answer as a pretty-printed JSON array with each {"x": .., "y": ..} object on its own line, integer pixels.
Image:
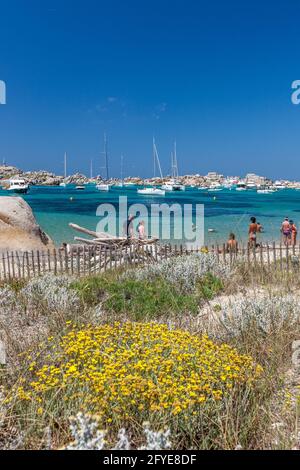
[
  {"x": 294, "y": 231},
  {"x": 232, "y": 245},
  {"x": 252, "y": 231}
]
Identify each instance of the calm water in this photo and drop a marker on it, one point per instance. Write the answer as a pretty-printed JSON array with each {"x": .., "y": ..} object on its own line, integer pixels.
[{"x": 225, "y": 211}]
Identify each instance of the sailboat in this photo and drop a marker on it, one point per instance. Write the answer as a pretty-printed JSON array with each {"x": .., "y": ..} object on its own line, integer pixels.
[
  {"x": 121, "y": 183},
  {"x": 63, "y": 184},
  {"x": 104, "y": 186},
  {"x": 153, "y": 191},
  {"x": 173, "y": 184}
]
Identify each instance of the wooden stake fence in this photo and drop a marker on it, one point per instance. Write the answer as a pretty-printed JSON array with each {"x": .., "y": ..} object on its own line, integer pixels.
[{"x": 82, "y": 260}]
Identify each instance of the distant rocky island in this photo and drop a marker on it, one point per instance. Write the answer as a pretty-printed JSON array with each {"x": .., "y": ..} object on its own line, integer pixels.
[{"x": 212, "y": 179}]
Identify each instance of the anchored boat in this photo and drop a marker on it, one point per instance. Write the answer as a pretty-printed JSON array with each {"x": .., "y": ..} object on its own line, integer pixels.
[
  {"x": 152, "y": 191},
  {"x": 18, "y": 185}
]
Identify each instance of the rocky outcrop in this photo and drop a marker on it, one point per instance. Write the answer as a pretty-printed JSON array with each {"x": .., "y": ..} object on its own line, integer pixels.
[{"x": 19, "y": 230}]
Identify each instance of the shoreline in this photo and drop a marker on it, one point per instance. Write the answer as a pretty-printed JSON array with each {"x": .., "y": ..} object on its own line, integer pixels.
[{"x": 211, "y": 181}]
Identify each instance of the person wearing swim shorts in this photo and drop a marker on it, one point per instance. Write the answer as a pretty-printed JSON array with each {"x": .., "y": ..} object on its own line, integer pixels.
[{"x": 286, "y": 231}]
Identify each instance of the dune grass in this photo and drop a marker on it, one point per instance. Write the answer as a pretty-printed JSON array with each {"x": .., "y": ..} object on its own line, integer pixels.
[{"x": 43, "y": 317}]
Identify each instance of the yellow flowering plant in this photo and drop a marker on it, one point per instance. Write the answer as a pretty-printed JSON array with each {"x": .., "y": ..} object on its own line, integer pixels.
[{"x": 129, "y": 371}]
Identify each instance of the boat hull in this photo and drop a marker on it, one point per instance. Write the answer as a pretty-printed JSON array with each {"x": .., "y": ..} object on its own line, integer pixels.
[{"x": 18, "y": 190}]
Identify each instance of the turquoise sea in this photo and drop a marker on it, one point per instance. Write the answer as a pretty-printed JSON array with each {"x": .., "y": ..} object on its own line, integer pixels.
[{"x": 225, "y": 211}]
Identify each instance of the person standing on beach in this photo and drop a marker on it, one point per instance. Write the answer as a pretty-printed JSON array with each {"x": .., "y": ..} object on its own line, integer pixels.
[
  {"x": 141, "y": 230},
  {"x": 259, "y": 230},
  {"x": 128, "y": 226},
  {"x": 252, "y": 231},
  {"x": 294, "y": 231},
  {"x": 286, "y": 231},
  {"x": 232, "y": 245}
]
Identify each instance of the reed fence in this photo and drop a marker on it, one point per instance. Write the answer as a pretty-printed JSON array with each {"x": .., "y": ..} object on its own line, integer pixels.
[{"x": 87, "y": 260}]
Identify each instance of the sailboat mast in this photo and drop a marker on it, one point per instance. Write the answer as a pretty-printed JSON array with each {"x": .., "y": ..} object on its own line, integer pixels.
[
  {"x": 91, "y": 169},
  {"x": 65, "y": 165},
  {"x": 172, "y": 166},
  {"x": 106, "y": 156},
  {"x": 175, "y": 160},
  {"x": 122, "y": 168},
  {"x": 156, "y": 159}
]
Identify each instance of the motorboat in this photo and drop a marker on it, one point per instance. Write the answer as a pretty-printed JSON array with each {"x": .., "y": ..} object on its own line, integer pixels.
[
  {"x": 265, "y": 191},
  {"x": 152, "y": 192},
  {"x": 103, "y": 187},
  {"x": 18, "y": 185},
  {"x": 173, "y": 186},
  {"x": 80, "y": 187}
]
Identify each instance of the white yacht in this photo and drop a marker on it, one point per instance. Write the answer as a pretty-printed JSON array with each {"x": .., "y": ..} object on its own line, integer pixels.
[
  {"x": 167, "y": 186},
  {"x": 103, "y": 187},
  {"x": 215, "y": 187},
  {"x": 279, "y": 185},
  {"x": 241, "y": 186},
  {"x": 265, "y": 191},
  {"x": 18, "y": 185},
  {"x": 173, "y": 184},
  {"x": 152, "y": 192}
]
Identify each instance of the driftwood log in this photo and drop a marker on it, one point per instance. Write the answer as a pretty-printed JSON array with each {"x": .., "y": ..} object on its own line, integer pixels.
[{"x": 106, "y": 249}]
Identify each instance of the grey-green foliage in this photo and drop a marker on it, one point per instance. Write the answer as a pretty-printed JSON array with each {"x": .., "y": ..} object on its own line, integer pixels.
[
  {"x": 50, "y": 293},
  {"x": 87, "y": 436},
  {"x": 269, "y": 314},
  {"x": 183, "y": 271}
]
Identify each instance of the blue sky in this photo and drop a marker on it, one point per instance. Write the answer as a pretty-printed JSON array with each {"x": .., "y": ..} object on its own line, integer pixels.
[{"x": 215, "y": 76}]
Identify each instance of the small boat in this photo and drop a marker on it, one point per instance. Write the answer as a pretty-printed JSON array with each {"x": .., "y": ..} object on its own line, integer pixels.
[
  {"x": 18, "y": 186},
  {"x": 214, "y": 189},
  {"x": 63, "y": 184},
  {"x": 102, "y": 187},
  {"x": 211, "y": 230},
  {"x": 80, "y": 187},
  {"x": 265, "y": 191},
  {"x": 241, "y": 186},
  {"x": 167, "y": 187},
  {"x": 173, "y": 185},
  {"x": 152, "y": 192}
]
